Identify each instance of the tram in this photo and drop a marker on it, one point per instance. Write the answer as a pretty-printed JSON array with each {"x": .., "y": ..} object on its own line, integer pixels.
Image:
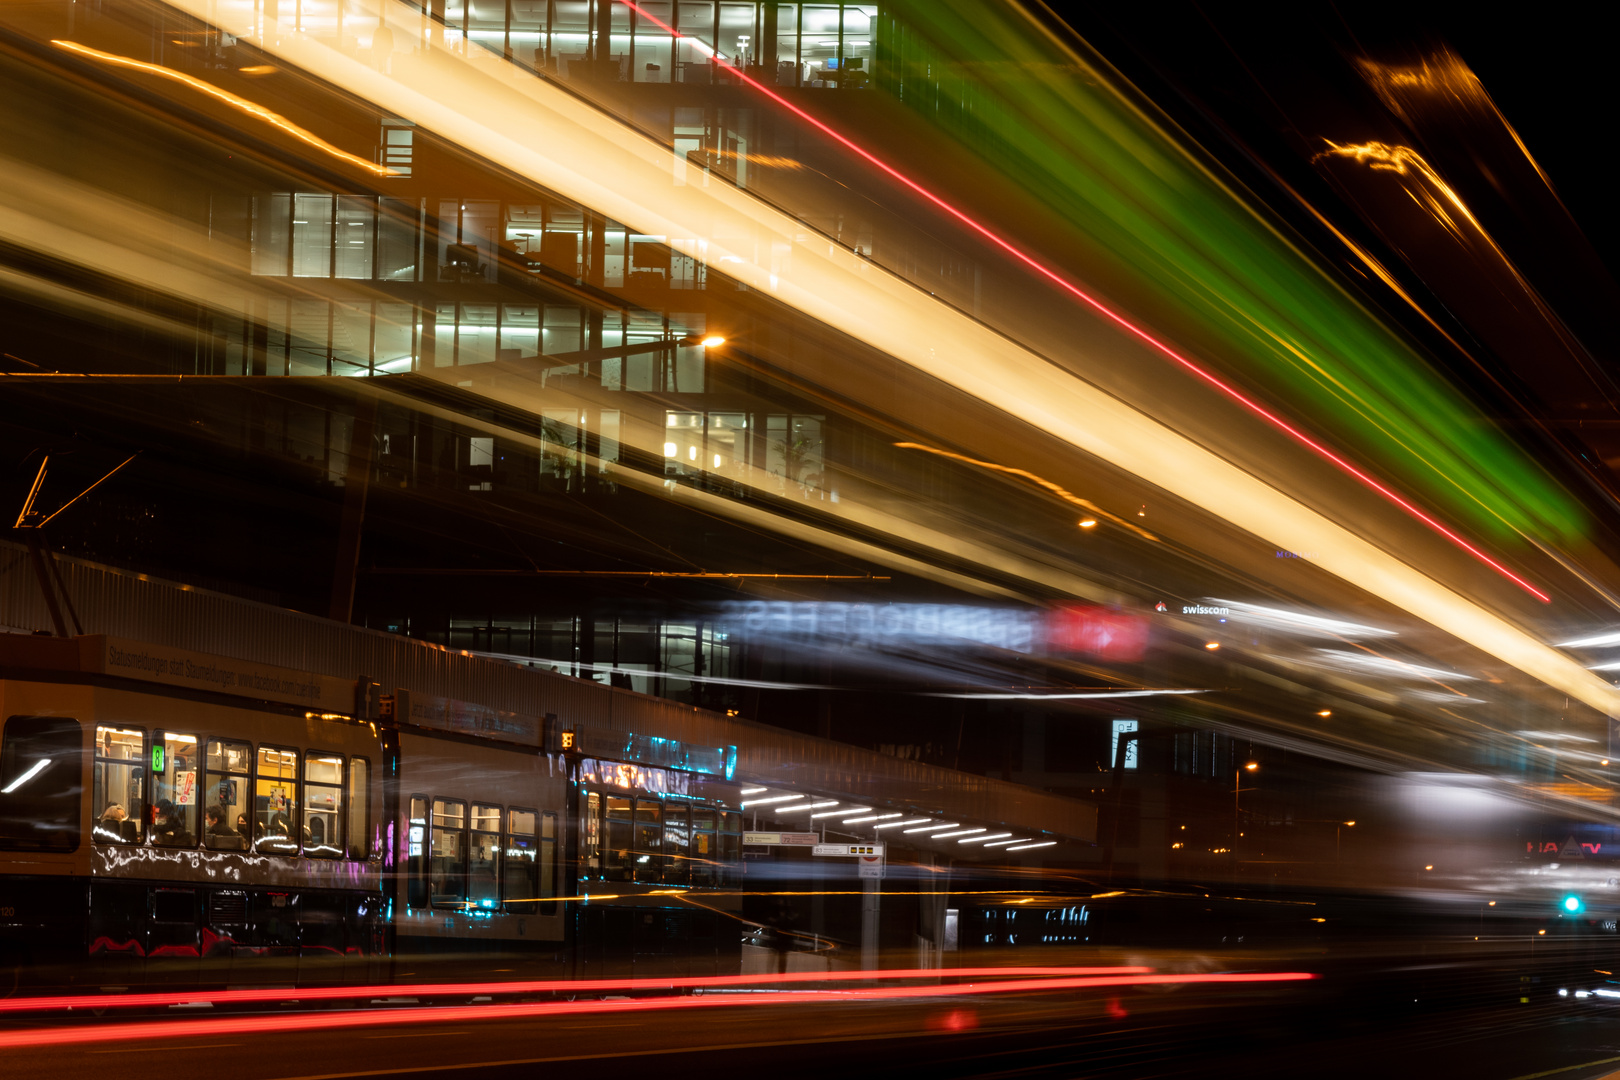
[{"x": 165, "y": 820}]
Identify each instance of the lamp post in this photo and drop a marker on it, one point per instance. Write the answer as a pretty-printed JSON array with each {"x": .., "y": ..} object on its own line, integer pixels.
[{"x": 1237, "y": 796}]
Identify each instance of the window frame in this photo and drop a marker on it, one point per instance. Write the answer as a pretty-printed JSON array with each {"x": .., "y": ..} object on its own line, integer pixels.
[
  {"x": 417, "y": 892},
  {"x": 210, "y": 781},
  {"x": 71, "y": 825},
  {"x": 339, "y": 816},
  {"x": 500, "y": 837},
  {"x": 139, "y": 763},
  {"x": 200, "y": 742},
  {"x": 364, "y": 850},
  {"x": 298, "y": 792},
  {"x": 433, "y": 830},
  {"x": 507, "y": 902}
]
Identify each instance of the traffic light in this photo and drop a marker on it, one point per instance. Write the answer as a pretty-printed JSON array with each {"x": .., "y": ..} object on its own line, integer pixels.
[{"x": 1571, "y": 905}]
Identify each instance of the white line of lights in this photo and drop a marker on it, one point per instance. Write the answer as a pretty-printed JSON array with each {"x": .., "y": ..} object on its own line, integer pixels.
[
  {"x": 753, "y": 790},
  {"x": 772, "y": 799},
  {"x": 982, "y": 839},
  {"x": 873, "y": 817},
  {"x": 931, "y": 828},
  {"x": 1591, "y": 642},
  {"x": 39, "y": 767},
  {"x": 1004, "y": 843},
  {"x": 948, "y": 835},
  {"x": 805, "y": 806},
  {"x": 845, "y": 810},
  {"x": 897, "y": 824},
  {"x": 1026, "y": 847}
]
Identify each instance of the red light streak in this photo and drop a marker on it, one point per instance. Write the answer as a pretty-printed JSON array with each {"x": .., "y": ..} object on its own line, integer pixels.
[
  {"x": 544, "y": 986},
  {"x": 1117, "y": 319},
  {"x": 259, "y": 1025}
]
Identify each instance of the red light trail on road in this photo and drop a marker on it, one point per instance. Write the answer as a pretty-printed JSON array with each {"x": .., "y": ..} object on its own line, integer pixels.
[
  {"x": 543, "y": 986},
  {"x": 263, "y": 1025},
  {"x": 1113, "y": 316}
]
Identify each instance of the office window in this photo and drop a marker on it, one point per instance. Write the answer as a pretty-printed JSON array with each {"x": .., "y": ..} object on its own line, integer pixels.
[
  {"x": 118, "y": 776},
  {"x": 312, "y": 236},
  {"x": 648, "y": 852},
  {"x": 227, "y": 780}
]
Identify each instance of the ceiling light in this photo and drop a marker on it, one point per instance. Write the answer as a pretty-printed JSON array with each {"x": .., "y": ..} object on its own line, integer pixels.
[
  {"x": 982, "y": 839},
  {"x": 805, "y": 806},
  {"x": 931, "y": 828},
  {"x": 1088, "y": 523},
  {"x": 1026, "y": 847},
  {"x": 1324, "y": 712},
  {"x": 772, "y": 799},
  {"x": 1212, "y": 645},
  {"x": 963, "y": 832},
  {"x": 874, "y": 817},
  {"x": 897, "y": 824},
  {"x": 1004, "y": 843},
  {"x": 753, "y": 790},
  {"x": 713, "y": 341}
]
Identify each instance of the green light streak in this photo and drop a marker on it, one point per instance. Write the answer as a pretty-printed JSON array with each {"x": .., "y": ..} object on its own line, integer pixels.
[{"x": 1184, "y": 252}]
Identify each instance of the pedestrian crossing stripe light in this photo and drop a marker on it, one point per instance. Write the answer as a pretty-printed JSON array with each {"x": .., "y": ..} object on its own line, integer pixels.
[{"x": 1571, "y": 904}]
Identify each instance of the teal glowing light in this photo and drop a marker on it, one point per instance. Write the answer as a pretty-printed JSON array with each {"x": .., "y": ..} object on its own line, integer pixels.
[{"x": 1572, "y": 904}]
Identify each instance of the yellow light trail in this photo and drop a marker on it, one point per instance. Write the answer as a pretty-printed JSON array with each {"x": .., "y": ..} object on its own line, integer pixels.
[{"x": 253, "y": 109}]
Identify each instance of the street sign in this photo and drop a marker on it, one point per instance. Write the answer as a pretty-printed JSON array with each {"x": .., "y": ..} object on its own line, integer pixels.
[
  {"x": 871, "y": 866},
  {"x": 758, "y": 838},
  {"x": 800, "y": 839}
]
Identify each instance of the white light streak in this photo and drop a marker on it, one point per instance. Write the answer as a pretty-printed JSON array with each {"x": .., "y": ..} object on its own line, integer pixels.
[
  {"x": 1004, "y": 843},
  {"x": 805, "y": 806},
  {"x": 753, "y": 790},
  {"x": 39, "y": 767},
  {"x": 897, "y": 824},
  {"x": 1297, "y": 621},
  {"x": 963, "y": 832},
  {"x": 845, "y": 810},
  {"x": 982, "y": 839},
  {"x": 874, "y": 817},
  {"x": 931, "y": 828},
  {"x": 1027, "y": 847},
  {"x": 1597, "y": 641}
]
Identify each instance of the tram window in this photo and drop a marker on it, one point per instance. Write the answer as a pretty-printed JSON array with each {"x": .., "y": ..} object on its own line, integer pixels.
[
  {"x": 360, "y": 841},
  {"x": 41, "y": 783},
  {"x": 590, "y": 835},
  {"x": 275, "y": 802},
  {"x": 705, "y": 868},
  {"x": 227, "y": 781},
  {"x": 447, "y": 873},
  {"x": 484, "y": 859},
  {"x": 416, "y": 853},
  {"x": 731, "y": 845},
  {"x": 323, "y": 805},
  {"x": 175, "y": 793},
  {"x": 677, "y": 842},
  {"x": 649, "y": 848},
  {"x": 118, "y": 778},
  {"x": 548, "y": 863},
  {"x": 520, "y": 870},
  {"x": 616, "y": 852}
]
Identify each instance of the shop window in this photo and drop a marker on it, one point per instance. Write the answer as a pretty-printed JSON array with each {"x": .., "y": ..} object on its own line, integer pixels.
[
  {"x": 361, "y": 843},
  {"x": 118, "y": 779},
  {"x": 484, "y": 859},
  {"x": 520, "y": 869},
  {"x": 648, "y": 852},
  {"x": 731, "y": 846},
  {"x": 227, "y": 767},
  {"x": 323, "y": 805},
  {"x": 275, "y": 802},
  {"x": 41, "y": 783},
  {"x": 447, "y": 871},
  {"x": 175, "y": 791}
]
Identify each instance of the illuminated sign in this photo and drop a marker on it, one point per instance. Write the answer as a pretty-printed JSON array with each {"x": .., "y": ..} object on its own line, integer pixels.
[
  {"x": 568, "y": 740},
  {"x": 1087, "y": 629}
]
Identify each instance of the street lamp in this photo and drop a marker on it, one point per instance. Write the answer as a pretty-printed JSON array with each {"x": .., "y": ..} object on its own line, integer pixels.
[{"x": 1237, "y": 795}]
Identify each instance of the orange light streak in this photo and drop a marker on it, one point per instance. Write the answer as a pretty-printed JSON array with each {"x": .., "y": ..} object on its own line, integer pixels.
[{"x": 253, "y": 109}]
